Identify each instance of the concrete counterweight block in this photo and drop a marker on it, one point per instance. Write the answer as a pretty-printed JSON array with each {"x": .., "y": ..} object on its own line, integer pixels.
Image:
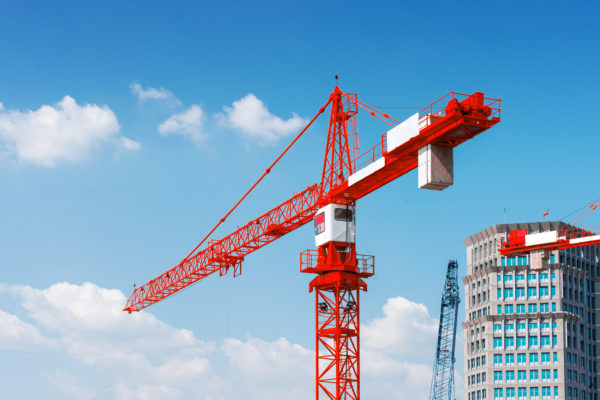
[{"x": 436, "y": 168}]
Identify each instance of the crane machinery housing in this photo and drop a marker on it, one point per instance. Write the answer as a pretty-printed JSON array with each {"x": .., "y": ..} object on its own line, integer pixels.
[
  {"x": 425, "y": 140},
  {"x": 442, "y": 382}
]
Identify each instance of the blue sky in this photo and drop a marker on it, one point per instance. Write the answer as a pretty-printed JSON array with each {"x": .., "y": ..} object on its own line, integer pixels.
[{"x": 127, "y": 201}]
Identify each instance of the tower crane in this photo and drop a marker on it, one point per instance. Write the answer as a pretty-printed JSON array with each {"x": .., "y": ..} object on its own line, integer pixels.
[
  {"x": 538, "y": 245},
  {"x": 425, "y": 140},
  {"x": 442, "y": 383}
]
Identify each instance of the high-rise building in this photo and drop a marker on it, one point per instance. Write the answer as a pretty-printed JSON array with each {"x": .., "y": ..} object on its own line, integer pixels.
[{"x": 530, "y": 333}]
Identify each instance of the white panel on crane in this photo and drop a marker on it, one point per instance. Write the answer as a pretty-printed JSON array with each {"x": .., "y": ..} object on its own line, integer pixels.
[
  {"x": 436, "y": 167},
  {"x": 585, "y": 239},
  {"x": 403, "y": 132},
  {"x": 541, "y": 238},
  {"x": 366, "y": 171}
]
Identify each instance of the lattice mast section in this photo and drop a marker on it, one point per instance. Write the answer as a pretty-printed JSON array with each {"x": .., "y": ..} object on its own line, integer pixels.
[
  {"x": 442, "y": 385},
  {"x": 340, "y": 150}
]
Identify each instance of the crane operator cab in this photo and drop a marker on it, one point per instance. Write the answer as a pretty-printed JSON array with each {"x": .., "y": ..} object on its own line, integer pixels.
[{"x": 335, "y": 223}]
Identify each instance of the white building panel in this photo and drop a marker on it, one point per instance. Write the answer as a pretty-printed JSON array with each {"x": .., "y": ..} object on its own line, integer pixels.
[
  {"x": 402, "y": 133},
  {"x": 366, "y": 171}
]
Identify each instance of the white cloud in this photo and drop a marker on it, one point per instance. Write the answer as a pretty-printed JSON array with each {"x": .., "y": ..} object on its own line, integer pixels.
[
  {"x": 66, "y": 131},
  {"x": 141, "y": 357},
  {"x": 251, "y": 116},
  {"x": 151, "y": 93},
  {"x": 404, "y": 330},
  {"x": 16, "y": 334},
  {"x": 67, "y": 384},
  {"x": 188, "y": 123}
]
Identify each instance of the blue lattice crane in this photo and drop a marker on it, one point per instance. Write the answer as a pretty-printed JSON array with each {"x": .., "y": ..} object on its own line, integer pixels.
[{"x": 442, "y": 383}]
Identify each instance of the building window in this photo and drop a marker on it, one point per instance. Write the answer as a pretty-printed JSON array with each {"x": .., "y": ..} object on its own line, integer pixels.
[
  {"x": 508, "y": 309},
  {"x": 544, "y": 307},
  {"x": 510, "y": 393},
  {"x": 532, "y": 308},
  {"x": 522, "y": 376},
  {"x": 520, "y": 309},
  {"x": 545, "y": 358},
  {"x": 532, "y": 292},
  {"x": 545, "y": 375},
  {"x": 533, "y": 326},
  {"x": 521, "y": 342},
  {"x": 498, "y": 393},
  {"x": 533, "y": 358},
  {"x": 546, "y": 391},
  {"x": 545, "y": 341},
  {"x": 520, "y": 293},
  {"x": 533, "y": 375},
  {"x": 533, "y": 342},
  {"x": 510, "y": 376},
  {"x": 497, "y": 376},
  {"x": 521, "y": 358},
  {"x": 534, "y": 392},
  {"x": 510, "y": 359},
  {"x": 522, "y": 393}
]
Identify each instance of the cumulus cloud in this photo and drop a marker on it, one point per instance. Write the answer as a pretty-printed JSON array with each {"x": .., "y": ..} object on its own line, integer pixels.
[
  {"x": 140, "y": 357},
  {"x": 252, "y": 118},
  {"x": 188, "y": 123},
  {"x": 66, "y": 132},
  {"x": 150, "y": 93},
  {"x": 404, "y": 330}
]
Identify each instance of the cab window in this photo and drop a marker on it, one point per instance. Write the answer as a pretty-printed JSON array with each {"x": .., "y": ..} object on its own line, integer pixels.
[{"x": 343, "y": 214}]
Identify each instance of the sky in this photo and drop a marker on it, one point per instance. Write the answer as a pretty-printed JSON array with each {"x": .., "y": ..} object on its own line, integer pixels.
[{"x": 128, "y": 129}]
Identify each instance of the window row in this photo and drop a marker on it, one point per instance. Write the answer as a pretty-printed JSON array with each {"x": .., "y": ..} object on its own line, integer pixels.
[
  {"x": 520, "y": 277},
  {"x": 509, "y": 359},
  {"x": 531, "y": 308},
  {"x": 519, "y": 293},
  {"x": 521, "y": 326},
  {"x": 522, "y": 341},
  {"x": 522, "y": 392},
  {"x": 522, "y": 376}
]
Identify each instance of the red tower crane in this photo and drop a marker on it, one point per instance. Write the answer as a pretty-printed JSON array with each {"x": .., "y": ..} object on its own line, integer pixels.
[
  {"x": 540, "y": 244},
  {"x": 425, "y": 140}
]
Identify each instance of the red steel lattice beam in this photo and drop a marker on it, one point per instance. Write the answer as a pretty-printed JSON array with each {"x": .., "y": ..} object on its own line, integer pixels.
[{"x": 222, "y": 254}]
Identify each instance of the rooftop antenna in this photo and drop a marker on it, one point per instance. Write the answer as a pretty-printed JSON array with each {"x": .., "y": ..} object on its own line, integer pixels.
[{"x": 337, "y": 80}]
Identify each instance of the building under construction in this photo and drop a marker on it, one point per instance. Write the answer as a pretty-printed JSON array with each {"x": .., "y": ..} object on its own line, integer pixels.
[{"x": 530, "y": 330}]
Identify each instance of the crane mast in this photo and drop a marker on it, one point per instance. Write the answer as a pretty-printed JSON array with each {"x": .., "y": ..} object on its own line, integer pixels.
[
  {"x": 442, "y": 384},
  {"x": 425, "y": 140}
]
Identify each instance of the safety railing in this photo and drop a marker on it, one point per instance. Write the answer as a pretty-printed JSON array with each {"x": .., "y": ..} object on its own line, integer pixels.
[
  {"x": 438, "y": 107},
  {"x": 309, "y": 262}
]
